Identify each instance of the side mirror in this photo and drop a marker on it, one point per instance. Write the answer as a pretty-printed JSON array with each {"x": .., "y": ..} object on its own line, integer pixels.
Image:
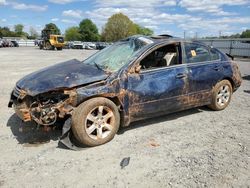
[
  {"x": 138, "y": 69},
  {"x": 135, "y": 69}
]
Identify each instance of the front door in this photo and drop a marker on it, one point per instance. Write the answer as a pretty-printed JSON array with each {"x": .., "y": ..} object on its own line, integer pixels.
[{"x": 160, "y": 88}]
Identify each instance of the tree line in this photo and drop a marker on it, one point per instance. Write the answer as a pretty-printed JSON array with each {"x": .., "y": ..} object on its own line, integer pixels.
[
  {"x": 243, "y": 34},
  {"x": 117, "y": 27},
  {"x": 18, "y": 32}
]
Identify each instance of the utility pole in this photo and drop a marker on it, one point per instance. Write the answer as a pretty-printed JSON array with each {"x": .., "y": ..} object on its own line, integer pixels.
[
  {"x": 219, "y": 33},
  {"x": 184, "y": 34},
  {"x": 196, "y": 35}
]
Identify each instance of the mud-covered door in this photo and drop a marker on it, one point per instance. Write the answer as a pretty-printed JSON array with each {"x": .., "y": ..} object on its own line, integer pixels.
[
  {"x": 158, "y": 91},
  {"x": 204, "y": 71}
]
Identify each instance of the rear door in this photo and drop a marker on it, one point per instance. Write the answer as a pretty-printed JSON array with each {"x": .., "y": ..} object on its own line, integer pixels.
[{"x": 204, "y": 71}]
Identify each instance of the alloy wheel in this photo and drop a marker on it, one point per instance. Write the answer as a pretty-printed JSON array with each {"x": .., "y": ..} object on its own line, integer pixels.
[
  {"x": 223, "y": 95},
  {"x": 99, "y": 122}
]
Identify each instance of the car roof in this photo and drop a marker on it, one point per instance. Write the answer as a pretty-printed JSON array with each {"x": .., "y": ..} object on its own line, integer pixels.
[
  {"x": 165, "y": 38},
  {"x": 160, "y": 39}
]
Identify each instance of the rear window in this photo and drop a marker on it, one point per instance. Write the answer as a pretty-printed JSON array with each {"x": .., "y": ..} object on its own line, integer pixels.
[
  {"x": 196, "y": 53},
  {"x": 214, "y": 54}
]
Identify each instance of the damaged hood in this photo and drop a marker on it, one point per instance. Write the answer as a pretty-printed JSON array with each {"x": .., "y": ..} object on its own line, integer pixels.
[{"x": 63, "y": 75}]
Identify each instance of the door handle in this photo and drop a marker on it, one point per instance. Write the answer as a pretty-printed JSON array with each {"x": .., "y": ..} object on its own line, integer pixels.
[
  {"x": 181, "y": 75},
  {"x": 217, "y": 68}
]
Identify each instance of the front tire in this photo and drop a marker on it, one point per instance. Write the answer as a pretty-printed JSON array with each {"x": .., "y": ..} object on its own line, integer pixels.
[
  {"x": 221, "y": 95},
  {"x": 48, "y": 46},
  {"x": 95, "y": 121}
]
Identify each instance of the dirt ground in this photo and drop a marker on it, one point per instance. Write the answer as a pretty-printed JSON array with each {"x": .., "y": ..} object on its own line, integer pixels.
[{"x": 193, "y": 148}]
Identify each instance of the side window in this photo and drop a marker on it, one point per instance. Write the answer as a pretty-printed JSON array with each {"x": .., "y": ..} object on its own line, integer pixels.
[
  {"x": 214, "y": 54},
  {"x": 196, "y": 53},
  {"x": 162, "y": 57}
]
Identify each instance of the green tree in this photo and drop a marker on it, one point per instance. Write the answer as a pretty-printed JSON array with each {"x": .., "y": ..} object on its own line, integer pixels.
[
  {"x": 88, "y": 31},
  {"x": 118, "y": 26},
  {"x": 72, "y": 34},
  {"x": 235, "y": 36},
  {"x": 245, "y": 34},
  {"x": 6, "y": 32},
  {"x": 143, "y": 30},
  {"x": 50, "y": 29},
  {"x": 19, "y": 29}
]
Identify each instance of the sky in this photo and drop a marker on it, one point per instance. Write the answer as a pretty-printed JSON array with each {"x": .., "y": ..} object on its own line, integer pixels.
[{"x": 194, "y": 17}]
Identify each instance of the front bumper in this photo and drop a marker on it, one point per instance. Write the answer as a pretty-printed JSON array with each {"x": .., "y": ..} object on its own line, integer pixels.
[
  {"x": 22, "y": 113},
  {"x": 20, "y": 107}
]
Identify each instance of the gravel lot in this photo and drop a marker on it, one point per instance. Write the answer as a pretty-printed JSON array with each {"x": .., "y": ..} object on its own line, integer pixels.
[{"x": 193, "y": 148}]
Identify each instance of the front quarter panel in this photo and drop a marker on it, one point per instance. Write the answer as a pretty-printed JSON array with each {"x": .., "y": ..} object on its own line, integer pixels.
[{"x": 98, "y": 89}]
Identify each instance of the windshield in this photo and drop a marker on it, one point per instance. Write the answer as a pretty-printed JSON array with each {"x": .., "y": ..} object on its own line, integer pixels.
[
  {"x": 60, "y": 39},
  {"x": 114, "y": 57}
]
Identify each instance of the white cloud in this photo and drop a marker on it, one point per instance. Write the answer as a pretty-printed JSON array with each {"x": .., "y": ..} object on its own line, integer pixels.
[
  {"x": 54, "y": 19},
  {"x": 147, "y": 17},
  {"x": 72, "y": 13},
  {"x": 23, "y": 6},
  {"x": 159, "y": 15},
  {"x": 153, "y": 27},
  {"x": 135, "y": 3},
  {"x": 3, "y": 2},
  {"x": 161, "y": 21},
  {"x": 67, "y": 21},
  {"x": 62, "y": 1},
  {"x": 210, "y": 6},
  {"x": 3, "y": 20},
  {"x": 212, "y": 27},
  {"x": 102, "y": 14}
]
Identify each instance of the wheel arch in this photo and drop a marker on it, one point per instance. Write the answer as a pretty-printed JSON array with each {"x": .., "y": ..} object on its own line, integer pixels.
[{"x": 231, "y": 81}]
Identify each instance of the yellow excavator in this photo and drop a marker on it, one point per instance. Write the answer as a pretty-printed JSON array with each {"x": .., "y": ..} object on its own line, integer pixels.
[{"x": 51, "y": 41}]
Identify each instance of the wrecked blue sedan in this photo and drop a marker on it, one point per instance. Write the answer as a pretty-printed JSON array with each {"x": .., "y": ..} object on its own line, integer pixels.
[{"x": 135, "y": 78}]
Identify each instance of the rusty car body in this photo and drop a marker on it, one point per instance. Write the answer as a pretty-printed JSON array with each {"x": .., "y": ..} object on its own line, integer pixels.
[{"x": 142, "y": 76}]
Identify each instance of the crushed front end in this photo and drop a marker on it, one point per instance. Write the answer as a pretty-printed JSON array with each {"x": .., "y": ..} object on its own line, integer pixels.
[{"x": 45, "y": 109}]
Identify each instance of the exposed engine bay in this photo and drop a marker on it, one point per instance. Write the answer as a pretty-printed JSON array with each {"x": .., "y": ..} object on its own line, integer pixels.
[{"x": 44, "y": 109}]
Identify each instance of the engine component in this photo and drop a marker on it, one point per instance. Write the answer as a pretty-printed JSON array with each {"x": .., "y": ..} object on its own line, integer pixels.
[{"x": 43, "y": 114}]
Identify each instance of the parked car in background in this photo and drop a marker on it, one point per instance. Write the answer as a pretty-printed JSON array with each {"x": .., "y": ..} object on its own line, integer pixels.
[
  {"x": 5, "y": 43},
  {"x": 101, "y": 45},
  {"x": 87, "y": 47},
  {"x": 90, "y": 46},
  {"x": 136, "y": 78},
  {"x": 15, "y": 43},
  {"x": 1, "y": 43},
  {"x": 78, "y": 45},
  {"x": 69, "y": 45}
]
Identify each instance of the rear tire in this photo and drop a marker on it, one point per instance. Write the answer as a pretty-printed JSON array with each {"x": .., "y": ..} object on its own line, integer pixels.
[
  {"x": 95, "y": 121},
  {"x": 221, "y": 95}
]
